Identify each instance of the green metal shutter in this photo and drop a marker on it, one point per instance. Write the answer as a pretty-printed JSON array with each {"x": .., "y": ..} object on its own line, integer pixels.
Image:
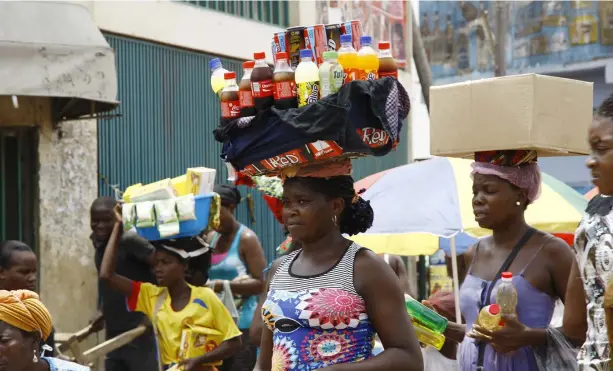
[
  {"x": 275, "y": 12},
  {"x": 18, "y": 185},
  {"x": 168, "y": 112}
]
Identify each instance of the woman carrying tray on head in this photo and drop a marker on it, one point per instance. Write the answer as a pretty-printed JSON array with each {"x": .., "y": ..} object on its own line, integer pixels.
[
  {"x": 237, "y": 257},
  {"x": 193, "y": 327},
  {"x": 327, "y": 300},
  {"x": 504, "y": 185}
]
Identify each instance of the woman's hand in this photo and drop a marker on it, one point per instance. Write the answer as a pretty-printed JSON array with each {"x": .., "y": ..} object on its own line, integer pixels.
[{"x": 509, "y": 338}]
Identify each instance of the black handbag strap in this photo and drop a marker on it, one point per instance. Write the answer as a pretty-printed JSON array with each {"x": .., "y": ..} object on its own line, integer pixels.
[{"x": 488, "y": 293}]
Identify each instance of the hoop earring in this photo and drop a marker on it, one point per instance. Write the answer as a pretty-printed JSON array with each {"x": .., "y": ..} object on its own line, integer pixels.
[{"x": 35, "y": 359}]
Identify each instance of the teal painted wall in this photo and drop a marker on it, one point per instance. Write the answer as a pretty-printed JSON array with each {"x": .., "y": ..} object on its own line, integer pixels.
[{"x": 168, "y": 112}]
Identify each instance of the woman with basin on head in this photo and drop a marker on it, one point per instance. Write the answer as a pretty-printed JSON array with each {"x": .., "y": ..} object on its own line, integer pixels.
[
  {"x": 175, "y": 306},
  {"x": 327, "y": 300},
  {"x": 504, "y": 185}
]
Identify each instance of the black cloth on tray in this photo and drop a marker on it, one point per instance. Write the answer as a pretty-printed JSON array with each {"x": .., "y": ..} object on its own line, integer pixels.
[{"x": 380, "y": 104}]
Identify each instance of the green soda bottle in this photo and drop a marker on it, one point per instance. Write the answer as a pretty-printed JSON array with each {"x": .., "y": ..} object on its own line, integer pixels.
[{"x": 424, "y": 315}]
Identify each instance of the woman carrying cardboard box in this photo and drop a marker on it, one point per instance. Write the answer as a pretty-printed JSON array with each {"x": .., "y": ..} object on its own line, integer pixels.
[{"x": 504, "y": 185}]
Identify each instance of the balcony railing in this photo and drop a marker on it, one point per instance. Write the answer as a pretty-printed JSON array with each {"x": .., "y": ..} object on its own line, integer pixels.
[{"x": 272, "y": 12}]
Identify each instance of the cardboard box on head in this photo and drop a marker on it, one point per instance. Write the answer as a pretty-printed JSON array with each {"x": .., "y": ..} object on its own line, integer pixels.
[{"x": 544, "y": 113}]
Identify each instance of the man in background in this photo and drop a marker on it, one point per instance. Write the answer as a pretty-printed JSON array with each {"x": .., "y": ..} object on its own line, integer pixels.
[{"x": 134, "y": 262}]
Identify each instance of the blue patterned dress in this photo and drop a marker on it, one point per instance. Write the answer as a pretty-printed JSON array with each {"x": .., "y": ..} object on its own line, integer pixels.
[{"x": 319, "y": 320}]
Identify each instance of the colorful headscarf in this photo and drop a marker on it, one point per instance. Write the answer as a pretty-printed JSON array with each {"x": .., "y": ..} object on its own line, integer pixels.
[
  {"x": 508, "y": 158},
  {"x": 24, "y": 310},
  {"x": 517, "y": 167}
]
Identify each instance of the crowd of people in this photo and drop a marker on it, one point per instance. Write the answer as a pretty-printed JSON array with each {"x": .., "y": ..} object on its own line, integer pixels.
[{"x": 326, "y": 301}]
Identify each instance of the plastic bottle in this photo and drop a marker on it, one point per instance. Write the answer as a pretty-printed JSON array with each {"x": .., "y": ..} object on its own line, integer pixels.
[
  {"x": 387, "y": 63},
  {"x": 506, "y": 296},
  {"x": 368, "y": 60},
  {"x": 284, "y": 90},
  {"x": 217, "y": 75},
  {"x": 424, "y": 315},
  {"x": 307, "y": 79},
  {"x": 261, "y": 83},
  {"x": 230, "y": 102},
  {"x": 348, "y": 58},
  {"x": 244, "y": 91},
  {"x": 331, "y": 74},
  {"x": 427, "y": 336},
  {"x": 489, "y": 317}
]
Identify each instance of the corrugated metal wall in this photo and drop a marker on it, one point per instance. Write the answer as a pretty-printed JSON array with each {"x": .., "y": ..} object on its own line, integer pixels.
[{"x": 168, "y": 113}]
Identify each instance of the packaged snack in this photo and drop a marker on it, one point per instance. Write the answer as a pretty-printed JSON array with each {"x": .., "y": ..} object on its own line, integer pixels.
[
  {"x": 166, "y": 217},
  {"x": 200, "y": 180},
  {"x": 128, "y": 216},
  {"x": 145, "y": 215},
  {"x": 186, "y": 207}
]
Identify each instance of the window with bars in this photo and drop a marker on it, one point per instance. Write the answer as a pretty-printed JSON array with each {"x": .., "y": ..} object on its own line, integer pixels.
[
  {"x": 18, "y": 184},
  {"x": 270, "y": 11}
]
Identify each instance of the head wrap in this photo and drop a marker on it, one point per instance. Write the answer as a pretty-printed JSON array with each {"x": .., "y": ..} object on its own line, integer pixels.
[
  {"x": 228, "y": 193},
  {"x": 517, "y": 167},
  {"x": 38, "y": 311},
  {"x": 24, "y": 310},
  {"x": 444, "y": 303}
]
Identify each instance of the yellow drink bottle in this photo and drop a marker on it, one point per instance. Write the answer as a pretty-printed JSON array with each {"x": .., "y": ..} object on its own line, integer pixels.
[
  {"x": 427, "y": 336},
  {"x": 307, "y": 79},
  {"x": 217, "y": 72},
  {"x": 348, "y": 58},
  {"x": 368, "y": 60}
]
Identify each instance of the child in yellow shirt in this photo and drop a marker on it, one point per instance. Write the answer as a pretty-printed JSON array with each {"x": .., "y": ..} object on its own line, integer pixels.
[{"x": 194, "y": 330}]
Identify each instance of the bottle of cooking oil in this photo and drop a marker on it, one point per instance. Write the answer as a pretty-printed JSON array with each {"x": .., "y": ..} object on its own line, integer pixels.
[
  {"x": 506, "y": 296},
  {"x": 427, "y": 336},
  {"x": 489, "y": 317}
]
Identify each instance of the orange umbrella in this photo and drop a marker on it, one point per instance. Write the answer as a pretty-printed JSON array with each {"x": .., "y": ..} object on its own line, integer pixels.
[{"x": 591, "y": 194}]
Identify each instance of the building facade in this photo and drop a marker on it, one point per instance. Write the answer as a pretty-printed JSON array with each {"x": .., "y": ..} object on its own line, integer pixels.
[{"x": 571, "y": 39}]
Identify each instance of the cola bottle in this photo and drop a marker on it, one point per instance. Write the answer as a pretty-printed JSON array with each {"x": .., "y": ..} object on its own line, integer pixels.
[
  {"x": 284, "y": 91},
  {"x": 261, "y": 83},
  {"x": 244, "y": 91}
]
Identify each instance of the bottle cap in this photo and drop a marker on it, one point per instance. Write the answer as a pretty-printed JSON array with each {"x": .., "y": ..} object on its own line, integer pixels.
[
  {"x": 248, "y": 64},
  {"x": 281, "y": 55},
  {"x": 330, "y": 55},
  {"x": 229, "y": 75},
  {"x": 506, "y": 275},
  {"x": 259, "y": 55},
  {"x": 306, "y": 53},
  {"x": 214, "y": 63},
  {"x": 346, "y": 38},
  {"x": 494, "y": 309},
  {"x": 383, "y": 45},
  {"x": 365, "y": 40}
]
